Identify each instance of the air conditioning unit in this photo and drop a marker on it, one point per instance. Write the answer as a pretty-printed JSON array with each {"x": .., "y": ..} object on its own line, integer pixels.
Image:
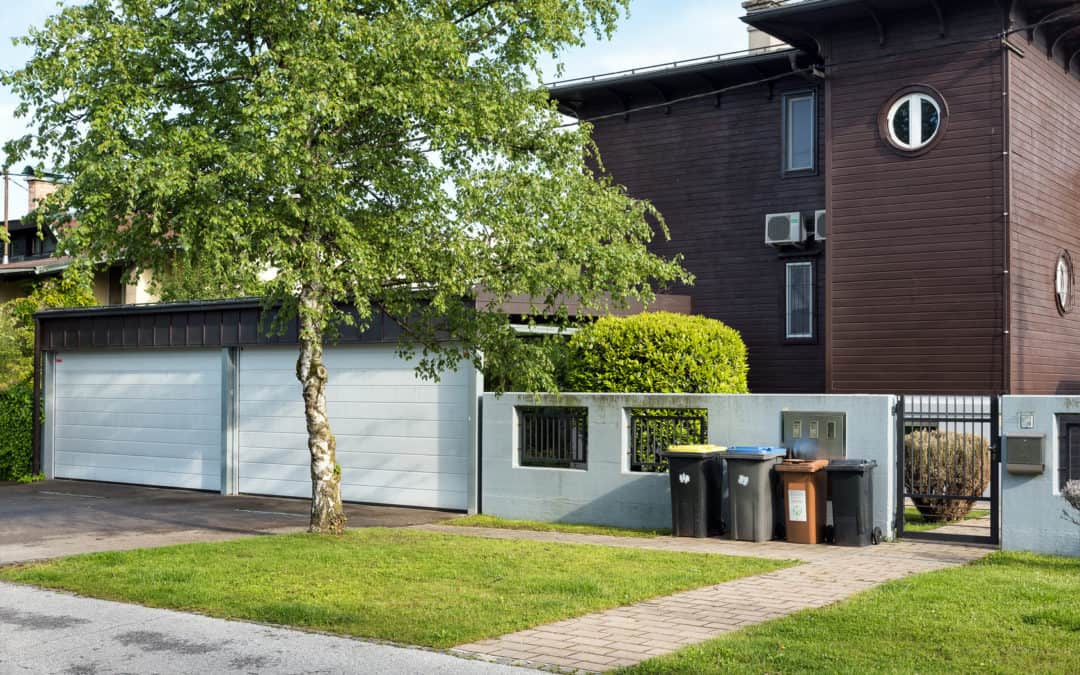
[
  {"x": 821, "y": 225},
  {"x": 784, "y": 229}
]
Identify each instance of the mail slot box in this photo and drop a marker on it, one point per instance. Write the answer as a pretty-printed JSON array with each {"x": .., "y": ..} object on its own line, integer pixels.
[{"x": 1024, "y": 454}]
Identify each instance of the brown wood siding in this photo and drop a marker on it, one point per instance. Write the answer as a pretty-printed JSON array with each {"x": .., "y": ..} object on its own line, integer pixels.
[
  {"x": 916, "y": 243},
  {"x": 714, "y": 172},
  {"x": 1044, "y": 110}
]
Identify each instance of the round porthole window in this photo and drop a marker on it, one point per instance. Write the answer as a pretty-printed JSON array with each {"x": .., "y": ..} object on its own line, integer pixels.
[
  {"x": 1063, "y": 282},
  {"x": 914, "y": 119}
]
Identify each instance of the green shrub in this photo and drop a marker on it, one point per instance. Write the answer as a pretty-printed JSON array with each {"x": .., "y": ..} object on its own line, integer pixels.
[
  {"x": 16, "y": 407},
  {"x": 657, "y": 352},
  {"x": 945, "y": 462}
]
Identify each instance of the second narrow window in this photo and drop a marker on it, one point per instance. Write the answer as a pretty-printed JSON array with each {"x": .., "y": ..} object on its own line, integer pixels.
[
  {"x": 799, "y": 132},
  {"x": 799, "y": 291}
]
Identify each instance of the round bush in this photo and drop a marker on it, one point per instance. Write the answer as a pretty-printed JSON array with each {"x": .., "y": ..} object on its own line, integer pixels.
[
  {"x": 658, "y": 352},
  {"x": 945, "y": 462}
]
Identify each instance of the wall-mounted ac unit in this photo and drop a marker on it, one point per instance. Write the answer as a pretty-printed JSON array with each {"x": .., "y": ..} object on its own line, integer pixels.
[
  {"x": 821, "y": 225},
  {"x": 784, "y": 229}
]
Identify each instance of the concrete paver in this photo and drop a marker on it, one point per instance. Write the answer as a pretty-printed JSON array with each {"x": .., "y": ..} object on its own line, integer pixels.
[
  {"x": 46, "y": 632},
  {"x": 633, "y": 633}
]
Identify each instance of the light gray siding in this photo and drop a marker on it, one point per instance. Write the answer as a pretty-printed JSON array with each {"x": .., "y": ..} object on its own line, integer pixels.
[{"x": 151, "y": 418}]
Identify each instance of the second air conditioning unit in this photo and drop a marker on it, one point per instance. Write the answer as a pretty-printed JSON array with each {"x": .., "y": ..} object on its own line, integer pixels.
[
  {"x": 821, "y": 225},
  {"x": 784, "y": 229}
]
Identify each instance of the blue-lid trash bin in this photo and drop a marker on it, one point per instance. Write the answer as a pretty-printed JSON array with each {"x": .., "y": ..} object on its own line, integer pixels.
[
  {"x": 851, "y": 490},
  {"x": 752, "y": 492},
  {"x": 696, "y": 475}
]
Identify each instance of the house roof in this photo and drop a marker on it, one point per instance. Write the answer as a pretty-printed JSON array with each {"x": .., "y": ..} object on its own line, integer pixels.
[
  {"x": 35, "y": 267},
  {"x": 800, "y": 22},
  {"x": 667, "y": 80}
]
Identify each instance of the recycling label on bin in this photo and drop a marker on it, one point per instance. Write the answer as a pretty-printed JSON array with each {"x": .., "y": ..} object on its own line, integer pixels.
[
  {"x": 744, "y": 480},
  {"x": 684, "y": 478},
  {"x": 796, "y": 506}
]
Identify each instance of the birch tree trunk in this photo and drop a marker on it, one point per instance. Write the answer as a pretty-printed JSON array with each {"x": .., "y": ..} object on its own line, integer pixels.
[{"x": 327, "y": 514}]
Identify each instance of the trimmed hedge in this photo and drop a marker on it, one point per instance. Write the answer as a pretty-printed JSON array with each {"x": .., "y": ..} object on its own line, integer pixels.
[
  {"x": 945, "y": 462},
  {"x": 657, "y": 352},
  {"x": 16, "y": 407}
]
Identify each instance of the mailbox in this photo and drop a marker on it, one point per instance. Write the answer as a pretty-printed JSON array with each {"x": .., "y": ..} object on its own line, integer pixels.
[
  {"x": 1024, "y": 454},
  {"x": 815, "y": 435}
]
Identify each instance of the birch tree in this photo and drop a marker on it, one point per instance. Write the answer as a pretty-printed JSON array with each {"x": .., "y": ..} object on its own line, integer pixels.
[{"x": 385, "y": 157}]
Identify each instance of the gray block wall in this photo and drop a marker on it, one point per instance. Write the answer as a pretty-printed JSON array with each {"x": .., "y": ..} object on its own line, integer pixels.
[
  {"x": 1032, "y": 507},
  {"x": 608, "y": 493}
]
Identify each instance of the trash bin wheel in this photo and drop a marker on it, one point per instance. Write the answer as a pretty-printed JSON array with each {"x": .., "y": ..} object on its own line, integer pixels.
[
  {"x": 830, "y": 534},
  {"x": 876, "y": 536}
]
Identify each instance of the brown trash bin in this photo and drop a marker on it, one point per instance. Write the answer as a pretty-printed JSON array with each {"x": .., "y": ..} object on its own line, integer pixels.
[{"x": 804, "y": 499}]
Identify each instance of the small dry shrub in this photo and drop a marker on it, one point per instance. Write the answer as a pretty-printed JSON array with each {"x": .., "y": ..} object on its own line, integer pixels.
[{"x": 945, "y": 462}]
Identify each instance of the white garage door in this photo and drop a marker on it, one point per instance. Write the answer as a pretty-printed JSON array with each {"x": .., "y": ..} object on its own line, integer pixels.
[
  {"x": 152, "y": 418},
  {"x": 400, "y": 440}
]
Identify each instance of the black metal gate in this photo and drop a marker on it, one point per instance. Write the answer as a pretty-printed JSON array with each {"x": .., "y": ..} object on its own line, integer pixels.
[{"x": 948, "y": 468}]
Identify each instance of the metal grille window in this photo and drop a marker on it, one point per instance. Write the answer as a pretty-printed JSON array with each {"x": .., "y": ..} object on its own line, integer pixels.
[
  {"x": 799, "y": 132},
  {"x": 1068, "y": 450},
  {"x": 799, "y": 300},
  {"x": 554, "y": 437},
  {"x": 652, "y": 430}
]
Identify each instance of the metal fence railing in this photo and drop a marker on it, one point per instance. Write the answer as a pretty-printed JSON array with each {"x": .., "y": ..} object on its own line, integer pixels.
[
  {"x": 652, "y": 430},
  {"x": 554, "y": 437}
]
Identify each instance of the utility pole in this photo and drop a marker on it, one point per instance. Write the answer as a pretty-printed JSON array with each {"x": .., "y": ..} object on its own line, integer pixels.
[{"x": 7, "y": 232}]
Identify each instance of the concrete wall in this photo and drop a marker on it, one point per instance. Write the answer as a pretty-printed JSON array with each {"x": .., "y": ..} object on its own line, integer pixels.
[
  {"x": 1031, "y": 506},
  {"x": 609, "y": 493}
]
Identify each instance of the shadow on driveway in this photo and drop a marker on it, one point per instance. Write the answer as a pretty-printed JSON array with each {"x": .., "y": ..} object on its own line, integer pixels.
[{"x": 64, "y": 517}]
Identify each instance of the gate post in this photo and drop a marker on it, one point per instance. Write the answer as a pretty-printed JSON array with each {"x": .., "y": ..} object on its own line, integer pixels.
[
  {"x": 995, "y": 470},
  {"x": 899, "y": 414}
]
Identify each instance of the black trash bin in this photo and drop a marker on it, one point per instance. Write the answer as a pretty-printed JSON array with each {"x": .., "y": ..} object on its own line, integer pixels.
[
  {"x": 697, "y": 474},
  {"x": 851, "y": 489}
]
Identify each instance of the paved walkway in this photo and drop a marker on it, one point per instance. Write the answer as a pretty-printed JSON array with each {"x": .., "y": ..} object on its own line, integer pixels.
[
  {"x": 47, "y": 632},
  {"x": 627, "y": 635}
]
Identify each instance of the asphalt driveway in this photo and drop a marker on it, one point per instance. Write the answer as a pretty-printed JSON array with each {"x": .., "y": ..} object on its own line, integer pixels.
[{"x": 61, "y": 517}]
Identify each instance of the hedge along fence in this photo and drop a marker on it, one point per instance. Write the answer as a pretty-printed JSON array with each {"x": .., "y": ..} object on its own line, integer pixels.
[
  {"x": 658, "y": 352},
  {"x": 945, "y": 462},
  {"x": 16, "y": 431},
  {"x": 655, "y": 353}
]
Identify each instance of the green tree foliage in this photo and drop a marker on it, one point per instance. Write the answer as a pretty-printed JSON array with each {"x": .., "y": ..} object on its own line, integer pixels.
[
  {"x": 17, "y": 323},
  {"x": 16, "y": 408},
  {"x": 392, "y": 156},
  {"x": 658, "y": 352}
]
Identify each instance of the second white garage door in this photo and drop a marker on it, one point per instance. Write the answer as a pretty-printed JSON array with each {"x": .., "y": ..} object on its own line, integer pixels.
[{"x": 400, "y": 440}]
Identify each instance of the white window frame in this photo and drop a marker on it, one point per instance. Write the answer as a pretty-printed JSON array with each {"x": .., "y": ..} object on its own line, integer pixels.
[
  {"x": 789, "y": 100},
  {"x": 787, "y": 301},
  {"x": 914, "y": 101}
]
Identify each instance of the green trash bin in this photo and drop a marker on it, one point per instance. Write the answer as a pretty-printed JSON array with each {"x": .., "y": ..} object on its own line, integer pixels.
[
  {"x": 752, "y": 491},
  {"x": 696, "y": 473}
]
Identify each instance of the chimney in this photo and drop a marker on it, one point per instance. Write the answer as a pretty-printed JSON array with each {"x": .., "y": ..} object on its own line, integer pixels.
[
  {"x": 757, "y": 40},
  {"x": 39, "y": 188}
]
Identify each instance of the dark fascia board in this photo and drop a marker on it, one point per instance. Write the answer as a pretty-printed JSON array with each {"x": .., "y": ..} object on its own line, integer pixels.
[
  {"x": 798, "y": 22},
  {"x": 719, "y": 68},
  {"x": 155, "y": 308}
]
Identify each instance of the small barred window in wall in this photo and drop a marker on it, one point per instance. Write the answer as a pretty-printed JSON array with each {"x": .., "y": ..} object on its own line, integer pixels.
[
  {"x": 799, "y": 290},
  {"x": 799, "y": 132},
  {"x": 1069, "y": 455}
]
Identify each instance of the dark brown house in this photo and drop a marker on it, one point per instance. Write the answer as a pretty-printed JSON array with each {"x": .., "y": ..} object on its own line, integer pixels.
[{"x": 941, "y": 139}]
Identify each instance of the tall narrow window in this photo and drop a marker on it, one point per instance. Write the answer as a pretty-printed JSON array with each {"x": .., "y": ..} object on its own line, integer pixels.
[
  {"x": 799, "y": 132},
  {"x": 799, "y": 313}
]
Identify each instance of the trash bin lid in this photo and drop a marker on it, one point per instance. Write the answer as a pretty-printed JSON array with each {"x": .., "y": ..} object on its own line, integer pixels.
[
  {"x": 756, "y": 451},
  {"x": 802, "y": 465},
  {"x": 699, "y": 450},
  {"x": 851, "y": 465}
]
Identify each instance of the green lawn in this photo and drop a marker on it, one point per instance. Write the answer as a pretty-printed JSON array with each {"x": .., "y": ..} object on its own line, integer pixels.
[
  {"x": 914, "y": 521},
  {"x": 1009, "y": 613},
  {"x": 402, "y": 585},
  {"x": 481, "y": 520}
]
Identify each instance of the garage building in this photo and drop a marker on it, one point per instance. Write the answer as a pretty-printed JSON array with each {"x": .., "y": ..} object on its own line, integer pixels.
[{"x": 198, "y": 396}]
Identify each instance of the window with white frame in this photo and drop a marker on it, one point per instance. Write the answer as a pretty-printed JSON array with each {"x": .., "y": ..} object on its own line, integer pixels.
[
  {"x": 799, "y": 300},
  {"x": 800, "y": 130}
]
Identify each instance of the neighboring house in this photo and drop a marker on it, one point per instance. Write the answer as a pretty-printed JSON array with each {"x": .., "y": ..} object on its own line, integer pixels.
[
  {"x": 32, "y": 257},
  {"x": 919, "y": 165}
]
